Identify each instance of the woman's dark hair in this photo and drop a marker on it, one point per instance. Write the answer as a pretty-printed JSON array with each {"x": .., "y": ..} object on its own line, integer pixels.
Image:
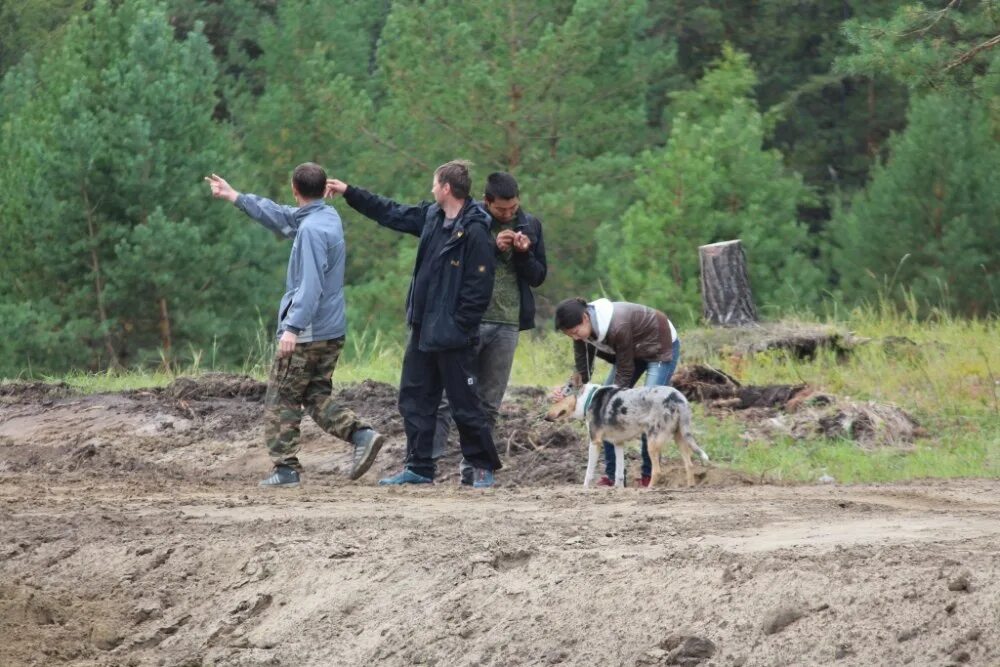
[{"x": 569, "y": 313}]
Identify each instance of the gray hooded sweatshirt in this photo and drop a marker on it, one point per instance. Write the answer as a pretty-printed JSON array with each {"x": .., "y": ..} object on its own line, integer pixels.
[{"x": 313, "y": 304}]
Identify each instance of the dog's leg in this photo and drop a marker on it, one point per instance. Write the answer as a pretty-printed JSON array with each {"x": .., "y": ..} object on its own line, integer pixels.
[
  {"x": 619, "y": 466},
  {"x": 685, "y": 447},
  {"x": 591, "y": 464},
  {"x": 654, "y": 443}
]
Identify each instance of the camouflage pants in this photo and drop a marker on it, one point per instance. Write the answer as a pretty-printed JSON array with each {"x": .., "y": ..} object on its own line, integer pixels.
[{"x": 299, "y": 384}]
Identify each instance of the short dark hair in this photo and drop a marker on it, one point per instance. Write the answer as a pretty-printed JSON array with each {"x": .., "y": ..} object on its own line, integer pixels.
[
  {"x": 310, "y": 180},
  {"x": 500, "y": 185},
  {"x": 455, "y": 174},
  {"x": 569, "y": 313}
]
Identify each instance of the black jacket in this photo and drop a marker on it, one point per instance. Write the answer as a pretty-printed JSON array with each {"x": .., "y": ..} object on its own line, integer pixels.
[
  {"x": 461, "y": 282},
  {"x": 530, "y": 266}
]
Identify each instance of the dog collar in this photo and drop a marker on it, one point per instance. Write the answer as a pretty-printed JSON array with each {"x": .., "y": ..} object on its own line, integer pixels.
[{"x": 584, "y": 400}]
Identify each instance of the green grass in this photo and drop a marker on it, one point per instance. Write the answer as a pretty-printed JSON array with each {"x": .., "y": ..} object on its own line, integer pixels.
[
  {"x": 952, "y": 454},
  {"x": 949, "y": 380}
]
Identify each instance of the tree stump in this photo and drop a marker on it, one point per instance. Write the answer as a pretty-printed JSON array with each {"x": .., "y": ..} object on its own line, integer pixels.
[{"x": 725, "y": 285}]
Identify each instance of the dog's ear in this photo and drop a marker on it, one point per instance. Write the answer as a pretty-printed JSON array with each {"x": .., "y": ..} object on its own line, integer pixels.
[{"x": 575, "y": 381}]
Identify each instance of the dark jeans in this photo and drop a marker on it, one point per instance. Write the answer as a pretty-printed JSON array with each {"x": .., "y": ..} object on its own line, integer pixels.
[
  {"x": 495, "y": 354},
  {"x": 426, "y": 375},
  {"x": 657, "y": 374}
]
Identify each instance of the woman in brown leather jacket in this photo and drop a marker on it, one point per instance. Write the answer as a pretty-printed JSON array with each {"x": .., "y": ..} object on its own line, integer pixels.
[{"x": 634, "y": 339}]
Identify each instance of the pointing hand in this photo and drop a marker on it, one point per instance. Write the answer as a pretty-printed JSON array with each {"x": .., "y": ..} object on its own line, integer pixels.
[{"x": 221, "y": 189}]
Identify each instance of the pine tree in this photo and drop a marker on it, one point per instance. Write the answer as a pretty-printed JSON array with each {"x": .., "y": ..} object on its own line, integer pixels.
[
  {"x": 27, "y": 26},
  {"x": 926, "y": 49},
  {"x": 110, "y": 221},
  {"x": 316, "y": 104},
  {"x": 557, "y": 93},
  {"x": 830, "y": 125},
  {"x": 713, "y": 181},
  {"x": 927, "y": 225}
]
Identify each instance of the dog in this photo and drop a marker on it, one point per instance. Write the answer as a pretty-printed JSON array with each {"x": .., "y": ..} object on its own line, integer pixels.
[{"x": 618, "y": 415}]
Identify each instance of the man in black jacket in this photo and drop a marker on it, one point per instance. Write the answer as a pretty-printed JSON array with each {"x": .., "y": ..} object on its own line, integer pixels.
[
  {"x": 520, "y": 266},
  {"x": 451, "y": 288}
]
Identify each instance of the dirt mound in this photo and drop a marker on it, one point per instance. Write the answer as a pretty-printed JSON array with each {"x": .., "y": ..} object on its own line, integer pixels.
[
  {"x": 33, "y": 392},
  {"x": 870, "y": 424},
  {"x": 798, "y": 410},
  {"x": 216, "y": 385},
  {"x": 709, "y": 385},
  {"x": 211, "y": 426},
  {"x": 376, "y": 402}
]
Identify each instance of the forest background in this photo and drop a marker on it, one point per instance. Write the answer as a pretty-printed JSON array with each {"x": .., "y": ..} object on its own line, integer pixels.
[{"x": 852, "y": 146}]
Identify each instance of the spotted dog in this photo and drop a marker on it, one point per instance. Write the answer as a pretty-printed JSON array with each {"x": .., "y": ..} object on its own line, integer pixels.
[{"x": 618, "y": 415}]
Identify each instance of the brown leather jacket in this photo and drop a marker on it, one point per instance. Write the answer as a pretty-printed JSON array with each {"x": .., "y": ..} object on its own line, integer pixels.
[{"x": 635, "y": 332}]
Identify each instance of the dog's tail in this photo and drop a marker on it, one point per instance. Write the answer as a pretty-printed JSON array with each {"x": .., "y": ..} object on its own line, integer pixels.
[{"x": 684, "y": 426}]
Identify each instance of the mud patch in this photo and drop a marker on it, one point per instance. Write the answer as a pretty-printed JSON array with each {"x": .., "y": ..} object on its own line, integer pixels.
[
  {"x": 41, "y": 624},
  {"x": 798, "y": 411},
  {"x": 212, "y": 426},
  {"x": 135, "y": 572},
  {"x": 375, "y": 402},
  {"x": 215, "y": 385},
  {"x": 864, "y": 531},
  {"x": 33, "y": 392}
]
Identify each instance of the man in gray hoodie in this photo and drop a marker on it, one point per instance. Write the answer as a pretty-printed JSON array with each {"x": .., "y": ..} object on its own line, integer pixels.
[{"x": 311, "y": 325}]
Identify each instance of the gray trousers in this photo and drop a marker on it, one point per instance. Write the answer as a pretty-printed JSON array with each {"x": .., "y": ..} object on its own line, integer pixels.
[{"x": 497, "y": 343}]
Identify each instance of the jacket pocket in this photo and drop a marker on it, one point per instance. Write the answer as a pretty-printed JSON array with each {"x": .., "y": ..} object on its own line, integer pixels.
[
  {"x": 442, "y": 332},
  {"x": 286, "y": 305}
]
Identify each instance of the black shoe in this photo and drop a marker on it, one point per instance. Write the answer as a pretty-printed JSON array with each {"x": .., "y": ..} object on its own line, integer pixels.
[
  {"x": 281, "y": 477},
  {"x": 367, "y": 443}
]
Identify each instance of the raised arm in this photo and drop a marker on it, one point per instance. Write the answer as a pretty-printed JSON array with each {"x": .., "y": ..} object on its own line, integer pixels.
[
  {"x": 279, "y": 219},
  {"x": 384, "y": 211},
  {"x": 276, "y": 217}
]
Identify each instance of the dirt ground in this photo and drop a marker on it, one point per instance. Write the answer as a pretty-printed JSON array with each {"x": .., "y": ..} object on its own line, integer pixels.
[{"x": 132, "y": 533}]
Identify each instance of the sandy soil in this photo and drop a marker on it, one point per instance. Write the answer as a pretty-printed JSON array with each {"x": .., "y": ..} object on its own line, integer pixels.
[{"x": 132, "y": 533}]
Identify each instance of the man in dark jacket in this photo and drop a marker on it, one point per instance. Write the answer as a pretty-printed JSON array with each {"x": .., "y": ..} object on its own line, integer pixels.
[
  {"x": 520, "y": 266},
  {"x": 451, "y": 289}
]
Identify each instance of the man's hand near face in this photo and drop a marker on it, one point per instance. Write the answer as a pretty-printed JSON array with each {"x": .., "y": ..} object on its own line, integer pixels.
[{"x": 505, "y": 240}]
